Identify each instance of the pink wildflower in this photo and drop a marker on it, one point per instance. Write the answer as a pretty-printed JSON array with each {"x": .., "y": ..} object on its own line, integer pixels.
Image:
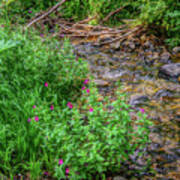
[
  {"x": 67, "y": 170},
  {"x": 29, "y": 120},
  {"x": 83, "y": 88},
  {"x": 46, "y": 173},
  {"x": 30, "y": 12},
  {"x": 60, "y": 162},
  {"x": 86, "y": 81},
  {"x": 88, "y": 91},
  {"x": 69, "y": 105},
  {"x": 46, "y": 84},
  {"x": 34, "y": 106},
  {"x": 36, "y": 118},
  {"x": 91, "y": 110},
  {"x": 52, "y": 107},
  {"x": 142, "y": 110},
  {"x": 62, "y": 35},
  {"x": 42, "y": 35}
]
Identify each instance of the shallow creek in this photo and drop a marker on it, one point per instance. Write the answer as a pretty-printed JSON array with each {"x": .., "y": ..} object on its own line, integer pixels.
[{"x": 150, "y": 76}]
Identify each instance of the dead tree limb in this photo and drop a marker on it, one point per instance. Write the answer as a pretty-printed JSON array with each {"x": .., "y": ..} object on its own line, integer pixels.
[
  {"x": 45, "y": 14},
  {"x": 86, "y": 20},
  {"x": 120, "y": 37},
  {"x": 112, "y": 13}
]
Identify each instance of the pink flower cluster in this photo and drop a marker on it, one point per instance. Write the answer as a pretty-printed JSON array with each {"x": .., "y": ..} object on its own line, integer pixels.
[
  {"x": 86, "y": 82},
  {"x": 91, "y": 110},
  {"x": 88, "y": 91},
  {"x": 142, "y": 110},
  {"x": 46, "y": 84},
  {"x": 36, "y": 118},
  {"x": 70, "y": 105},
  {"x": 61, "y": 163},
  {"x": 52, "y": 107}
]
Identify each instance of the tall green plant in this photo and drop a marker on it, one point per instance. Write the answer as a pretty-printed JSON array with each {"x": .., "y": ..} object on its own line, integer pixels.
[
  {"x": 47, "y": 129},
  {"x": 34, "y": 78},
  {"x": 164, "y": 14}
]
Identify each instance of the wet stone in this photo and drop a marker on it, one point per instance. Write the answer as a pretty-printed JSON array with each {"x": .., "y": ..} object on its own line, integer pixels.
[
  {"x": 149, "y": 61},
  {"x": 132, "y": 45},
  {"x": 169, "y": 158},
  {"x": 154, "y": 146},
  {"x": 163, "y": 93},
  {"x": 177, "y": 120},
  {"x": 176, "y": 49},
  {"x": 138, "y": 99},
  {"x": 100, "y": 82},
  {"x": 119, "y": 178},
  {"x": 115, "y": 45},
  {"x": 170, "y": 71},
  {"x": 114, "y": 75},
  {"x": 148, "y": 44},
  {"x": 104, "y": 40},
  {"x": 100, "y": 69},
  {"x": 115, "y": 59},
  {"x": 165, "y": 57},
  {"x": 161, "y": 170},
  {"x": 164, "y": 178},
  {"x": 176, "y": 151},
  {"x": 155, "y": 55}
]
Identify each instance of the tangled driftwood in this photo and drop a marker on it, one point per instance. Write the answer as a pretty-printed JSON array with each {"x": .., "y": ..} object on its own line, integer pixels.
[{"x": 101, "y": 35}]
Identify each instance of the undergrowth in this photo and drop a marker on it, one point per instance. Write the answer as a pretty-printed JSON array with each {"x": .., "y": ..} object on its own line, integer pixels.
[
  {"x": 53, "y": 121},
  {"x": 162, "y": 13}
]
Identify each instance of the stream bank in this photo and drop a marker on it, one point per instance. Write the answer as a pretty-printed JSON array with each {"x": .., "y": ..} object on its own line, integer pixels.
[{"x": 150, "y": 76}]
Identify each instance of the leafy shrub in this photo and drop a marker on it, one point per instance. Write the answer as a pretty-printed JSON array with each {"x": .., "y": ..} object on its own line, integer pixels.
[
  {"x": 98, "y": 137},
  {"x": 38, "y": 124},
  {"x": 164, "y": 14},
  {"x": 82, "y": 9},
  {"x": 26, "y": 64},
  {"x": 77, "y": 9},
  {"x": 20, "y": 10}
]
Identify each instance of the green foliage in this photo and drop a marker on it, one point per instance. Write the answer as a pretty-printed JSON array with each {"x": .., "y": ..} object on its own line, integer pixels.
[
  {"x": 98, "y": 141},
  {"x": 165, "y": 14},
  {"x": 32, "y": 140},
  {"x": 162, "y": 13},
  {"x": 26, "y": 63},
  {"x": 100, "y": 8},
  {"x": 18, "y": 10},
  {"x": 78, "y": 9}
]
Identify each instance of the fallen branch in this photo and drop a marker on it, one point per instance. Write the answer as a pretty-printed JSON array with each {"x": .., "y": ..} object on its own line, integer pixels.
[
  {"x": 112, "y": 13},
  {"x": 93, "y": 28},
  {"x": 119, "y": 38},
  {"x": 93, "y": 33},
  {"x": 45, "y": 14},
  {"x": 86, "y": 20}
]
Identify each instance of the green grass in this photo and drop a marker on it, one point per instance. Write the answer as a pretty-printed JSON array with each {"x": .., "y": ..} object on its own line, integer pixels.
[{"x": 50, "y": 112}]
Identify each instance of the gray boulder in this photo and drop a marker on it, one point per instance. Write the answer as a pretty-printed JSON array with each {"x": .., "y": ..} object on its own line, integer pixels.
[{"x": 170, "y": 71}]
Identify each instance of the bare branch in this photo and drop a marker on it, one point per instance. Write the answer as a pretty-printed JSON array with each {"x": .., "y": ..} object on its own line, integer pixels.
[
  {"x": 112, "y": 13},
  {"x": 45, "y": 14}
]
